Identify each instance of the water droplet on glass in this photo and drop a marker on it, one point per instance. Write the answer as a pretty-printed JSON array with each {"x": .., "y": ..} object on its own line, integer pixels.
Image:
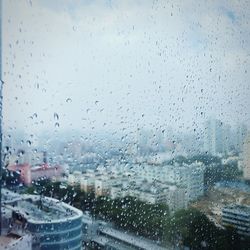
[{"x": 56, "y": 116}]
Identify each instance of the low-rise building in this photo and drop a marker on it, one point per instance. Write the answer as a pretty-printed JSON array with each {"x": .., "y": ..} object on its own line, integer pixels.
[
  {"x": 74, "y": 179},
  {"x": 87, "y": 184},
  {"x": 103, "y": 185},
  {"x": 30, "y": 173},
  {"x": 101, "y": 235},
  {"x": 174, "y": 196}
]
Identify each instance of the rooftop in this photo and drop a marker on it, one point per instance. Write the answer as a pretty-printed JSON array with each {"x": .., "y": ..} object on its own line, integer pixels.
[
  {"x": 130, "y": 239},
  {"x": 39, "y": 209}
]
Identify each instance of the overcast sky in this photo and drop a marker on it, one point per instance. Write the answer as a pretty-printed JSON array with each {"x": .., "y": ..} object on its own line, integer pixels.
[{"x": 107, "y": 65}]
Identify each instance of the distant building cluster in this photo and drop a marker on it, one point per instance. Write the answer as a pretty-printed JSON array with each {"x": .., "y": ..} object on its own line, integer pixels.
[
  {"x": 29, "y": 173},
  {"x": 41, "y": 169},
  {"x": 221, "y": 139},
  {"x": 174, "y": 185}
]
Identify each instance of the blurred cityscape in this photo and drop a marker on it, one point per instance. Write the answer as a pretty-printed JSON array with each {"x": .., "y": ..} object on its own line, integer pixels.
[
  {"x": 124, "y": 125},
  {"x": 128, "y": 192}
]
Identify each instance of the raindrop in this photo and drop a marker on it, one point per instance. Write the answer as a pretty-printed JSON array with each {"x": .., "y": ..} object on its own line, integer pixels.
[
  {"x": 56, "y": 116},
  {"x": 6, "y": 149},
  {"x": 57, "y": 125},
  {"x": 20, "y": 153},
  {"x": 68, "y": 100}
]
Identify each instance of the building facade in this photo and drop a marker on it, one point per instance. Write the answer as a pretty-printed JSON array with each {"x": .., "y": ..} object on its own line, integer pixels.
[
  {"x": 238, "y": 217},
  {"x": 53, "y": 224},
  {"x": 246, "y": 159}
]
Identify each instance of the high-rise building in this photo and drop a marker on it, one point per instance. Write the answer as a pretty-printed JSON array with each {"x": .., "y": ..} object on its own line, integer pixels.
[
  {"x": 241, "y": 133},
  {"x": 246, "y": 159},
  {"x": 216, "y": 137}
]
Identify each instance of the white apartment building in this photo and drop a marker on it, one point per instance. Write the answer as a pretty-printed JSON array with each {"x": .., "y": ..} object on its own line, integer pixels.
[
  {"x": 175, "y": 185},
  {"x": 246, "y": 159},
  {"x": 87, "y": 184},
  {"x": 175, "y": 197},
  {"x": 74, "y": 178},
  {"x": 237, "y": 216},
  {"x": 103, "y": 185},
  {"x": 190, "y": 177}
]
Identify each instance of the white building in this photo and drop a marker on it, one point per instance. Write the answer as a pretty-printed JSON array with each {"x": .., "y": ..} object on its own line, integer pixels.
[
  {"x": 246, "y": 159},
  {"x": 237, "y": 216},
  {"x": 241, "y": 135},
  {"x": 190, "y": 177},
  {"x": 87, "y": 184},
  {"x": 175, "y": 197},
  {"x": 216, "y": 137},
  {"x": 103, "y": 185},
  {"x": 74, "y": 178}
]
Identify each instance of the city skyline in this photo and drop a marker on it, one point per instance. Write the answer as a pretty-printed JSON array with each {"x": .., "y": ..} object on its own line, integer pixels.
[{"x": 125, "y": 124}]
